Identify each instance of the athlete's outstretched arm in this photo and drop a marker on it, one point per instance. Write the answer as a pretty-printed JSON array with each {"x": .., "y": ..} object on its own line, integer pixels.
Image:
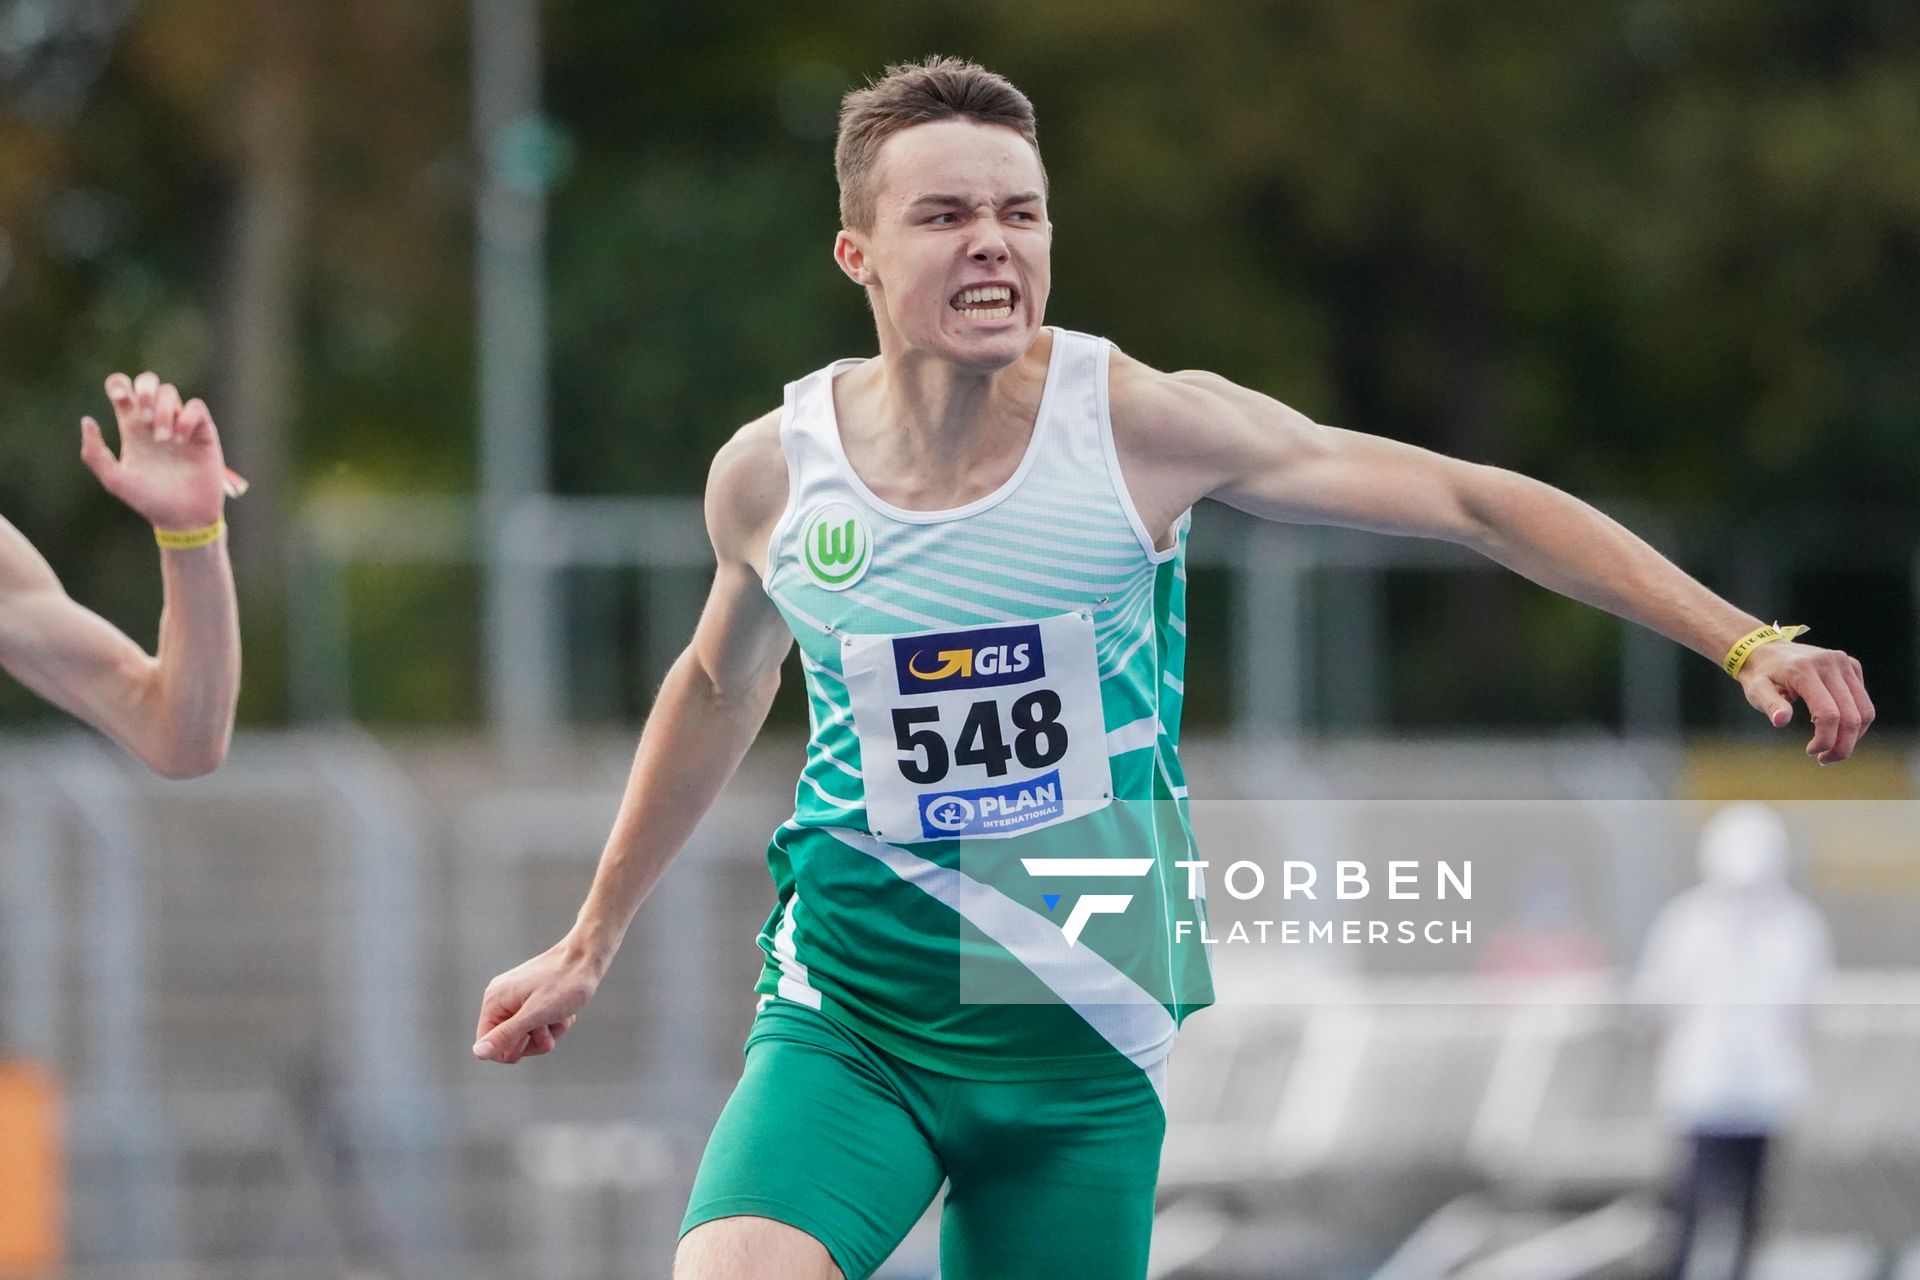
[
  {"x": 1199, "y": 435},
  {"x": 173, "y": 709},
  {"x": 708, "y": 712}
]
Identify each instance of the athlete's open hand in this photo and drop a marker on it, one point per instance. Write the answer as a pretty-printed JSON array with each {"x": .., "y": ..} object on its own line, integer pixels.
[
  {"x": 170, "y": 469},
  {"x": 1827, "y": 680},
  {"x": 527, "y": 1009}
]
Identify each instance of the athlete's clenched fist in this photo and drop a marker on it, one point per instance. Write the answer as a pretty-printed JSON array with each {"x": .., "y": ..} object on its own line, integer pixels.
[{"x": 527, "y": 1009}]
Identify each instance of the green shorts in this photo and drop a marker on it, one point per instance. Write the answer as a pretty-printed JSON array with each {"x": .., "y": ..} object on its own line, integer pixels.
[{"x": 825, "y": 1132}]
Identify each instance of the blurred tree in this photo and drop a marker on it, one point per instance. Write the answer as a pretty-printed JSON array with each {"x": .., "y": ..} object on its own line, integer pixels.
[{"x": 268, "y": 204}]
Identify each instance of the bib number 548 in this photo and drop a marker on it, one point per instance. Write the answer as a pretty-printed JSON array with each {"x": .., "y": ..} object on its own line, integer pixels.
[{"x": 1039, "y": 738}]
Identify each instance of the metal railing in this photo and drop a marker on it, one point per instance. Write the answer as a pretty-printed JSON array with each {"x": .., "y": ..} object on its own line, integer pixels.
[{"x": 1296, "y": 594}]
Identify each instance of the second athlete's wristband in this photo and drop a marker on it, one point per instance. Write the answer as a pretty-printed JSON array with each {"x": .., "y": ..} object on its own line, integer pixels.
[
  {"x": 1743, "y": 647},
  {"x": 189, "y": 539}
]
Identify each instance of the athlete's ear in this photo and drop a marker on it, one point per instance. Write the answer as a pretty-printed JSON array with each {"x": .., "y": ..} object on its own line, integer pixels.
[{"x": 852, "y": 257}]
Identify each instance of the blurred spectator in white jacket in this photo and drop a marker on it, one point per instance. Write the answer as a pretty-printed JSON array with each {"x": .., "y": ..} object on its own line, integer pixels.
[{"x": 1736, "y": 961}]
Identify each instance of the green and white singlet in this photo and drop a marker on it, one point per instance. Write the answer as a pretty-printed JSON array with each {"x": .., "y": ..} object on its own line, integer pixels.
[{"x": 994, "y": 694}]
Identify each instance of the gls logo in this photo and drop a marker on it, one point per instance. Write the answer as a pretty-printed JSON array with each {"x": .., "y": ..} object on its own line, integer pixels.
[
  {"x": 1090, "y": 904},
  {"x": 977, "y": 659}
]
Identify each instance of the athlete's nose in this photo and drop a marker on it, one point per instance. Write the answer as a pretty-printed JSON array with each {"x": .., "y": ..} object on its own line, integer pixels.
[{"x": 989, "y": 245}]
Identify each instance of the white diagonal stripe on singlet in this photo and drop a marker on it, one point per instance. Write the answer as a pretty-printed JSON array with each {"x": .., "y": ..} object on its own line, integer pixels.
[
  {"x": 1118, "y": 664},
  {"x": 969, "y": 576},
  {"x": 1056, "y": 497},
  {"x": 998, "y": 590},
  {"x": 1030, "y": 541},
  {"x": 812, "y": 623},
  {"x": 1130, "y": 621},
  {"x": 1124, "y": 1014},
  {"x": 826, "y": 753},
  {"x": 838, "y": 802},
  {"x": 1133, "y": 736},
  {"x": 1067, "y": 540},
  {"x": 1123, "y": 612},
  {"x": 867, "y": 601},
  {"x": 820, "y": 668},
  {"x": 978, "y": 616},
  {"x": 794, "y": 985}
]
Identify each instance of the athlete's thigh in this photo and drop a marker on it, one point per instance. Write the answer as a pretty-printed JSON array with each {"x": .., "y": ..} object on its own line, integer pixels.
[
  {"x": 1056, "y": 1179},
  {"x": 750, "y": 1248},
  {"x": 820, "y": 1136}
]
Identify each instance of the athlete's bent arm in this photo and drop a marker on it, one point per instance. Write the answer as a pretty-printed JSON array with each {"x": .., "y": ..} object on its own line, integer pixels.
[
  {"x": 173, "y": 709},
  {"x": 1198, "y": 435},
  {"x": 709, "y": 710}
]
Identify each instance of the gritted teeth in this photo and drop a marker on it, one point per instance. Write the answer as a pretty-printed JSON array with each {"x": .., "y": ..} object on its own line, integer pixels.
[{"x": 989, "y": 296}]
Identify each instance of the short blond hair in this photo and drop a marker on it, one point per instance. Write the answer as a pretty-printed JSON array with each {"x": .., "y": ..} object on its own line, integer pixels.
[{"x": 911, "y": 93}]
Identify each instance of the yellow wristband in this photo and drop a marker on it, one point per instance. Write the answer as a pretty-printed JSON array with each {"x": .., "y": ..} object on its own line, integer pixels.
[
  {"x": 188, "y": 539},
  {"x": 1737, "y": 656}
]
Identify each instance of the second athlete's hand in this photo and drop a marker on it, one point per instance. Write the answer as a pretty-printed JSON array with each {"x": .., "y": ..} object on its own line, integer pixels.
[
  {"x": 528, "y": 1008},
  {"x": 170, "y": 468}
]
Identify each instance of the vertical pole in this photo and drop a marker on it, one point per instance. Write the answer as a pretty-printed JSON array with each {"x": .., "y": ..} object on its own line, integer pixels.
[
  {"x": 1649, "y": 684},
  {"x": 1352, "y": 625},
  {"x": 1915, "y": 648},
  {"x": 1270, "y": 658},
  {"x": 319, "y": 650},
  {"x": 510, "y": 283}
]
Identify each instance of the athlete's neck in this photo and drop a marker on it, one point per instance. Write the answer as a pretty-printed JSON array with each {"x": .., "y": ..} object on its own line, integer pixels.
[{"x": 912, "y": 416}]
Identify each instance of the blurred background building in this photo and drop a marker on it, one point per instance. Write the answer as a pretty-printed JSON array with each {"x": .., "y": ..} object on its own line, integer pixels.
[{"x": 476, "y": 287}]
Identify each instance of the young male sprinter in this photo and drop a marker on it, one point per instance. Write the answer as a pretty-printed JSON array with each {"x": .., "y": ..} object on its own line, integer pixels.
[
  {"x": 976, "y": 539},
  {"x": 174, "y": 709}
]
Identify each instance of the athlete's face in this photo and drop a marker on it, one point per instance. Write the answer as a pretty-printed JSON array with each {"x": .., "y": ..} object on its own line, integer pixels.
[{"x": 961, "y": 209}]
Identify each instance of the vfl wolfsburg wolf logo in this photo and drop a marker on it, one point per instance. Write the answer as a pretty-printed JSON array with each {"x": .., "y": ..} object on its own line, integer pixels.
[{"x": 835, "y": 546}]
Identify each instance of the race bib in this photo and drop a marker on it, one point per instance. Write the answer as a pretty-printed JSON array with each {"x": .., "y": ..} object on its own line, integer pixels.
[{"x": 990, "y": 731}]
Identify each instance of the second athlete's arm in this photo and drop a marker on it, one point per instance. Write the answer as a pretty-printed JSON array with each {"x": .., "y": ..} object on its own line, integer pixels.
[
  {"x": 174, "y": 709},
  {"x": 1199, "y": 435},
  {"x": 709, "y": 710}
]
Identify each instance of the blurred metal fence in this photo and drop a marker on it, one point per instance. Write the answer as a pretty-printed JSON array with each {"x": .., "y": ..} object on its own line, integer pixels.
[
  {"x": 1296, "y": 597},
  {"x": 1535, "y": 1124}
]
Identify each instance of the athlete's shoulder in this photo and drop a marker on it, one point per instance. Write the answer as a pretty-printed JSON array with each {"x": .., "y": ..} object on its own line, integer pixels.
[
  {"x": 1156, "y": 414},
  {"x": 747, "y": 487}
]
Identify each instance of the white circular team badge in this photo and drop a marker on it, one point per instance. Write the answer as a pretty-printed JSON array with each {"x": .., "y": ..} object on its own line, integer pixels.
[{"x": 836, "y": 546}]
